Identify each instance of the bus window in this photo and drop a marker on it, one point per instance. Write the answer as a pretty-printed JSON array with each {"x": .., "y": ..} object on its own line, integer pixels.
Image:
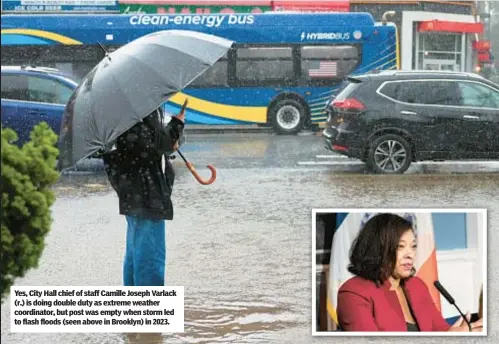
[
  {"x": 82, "y": 58},
  {"x": 214, "y": 76},
  {"x": 264, "y": 66},
  {"x": 328, "y": 62}
]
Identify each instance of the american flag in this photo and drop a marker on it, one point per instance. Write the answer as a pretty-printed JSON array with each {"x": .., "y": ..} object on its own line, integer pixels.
[{"x": 322, "y": 69}]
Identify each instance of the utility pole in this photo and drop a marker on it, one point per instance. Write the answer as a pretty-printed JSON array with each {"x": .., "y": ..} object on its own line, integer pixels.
[
  {"x": 483, "y": 11},
  {"x": 494, "y": 39}
]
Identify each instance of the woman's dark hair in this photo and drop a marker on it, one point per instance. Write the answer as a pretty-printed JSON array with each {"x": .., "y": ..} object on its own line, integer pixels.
[{"x": 374, "y": 252}]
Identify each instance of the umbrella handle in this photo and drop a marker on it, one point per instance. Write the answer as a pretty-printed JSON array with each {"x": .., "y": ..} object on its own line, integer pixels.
[
  {"x": 198, "y": 177},
  {"x": 182, "y": 110}
]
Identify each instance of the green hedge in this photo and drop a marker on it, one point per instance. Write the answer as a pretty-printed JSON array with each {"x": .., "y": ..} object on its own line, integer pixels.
[{"x": 28, "y": 173}]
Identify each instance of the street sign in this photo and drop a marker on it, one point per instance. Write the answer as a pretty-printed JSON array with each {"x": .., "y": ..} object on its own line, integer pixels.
[{"x": 149, "y": 7}]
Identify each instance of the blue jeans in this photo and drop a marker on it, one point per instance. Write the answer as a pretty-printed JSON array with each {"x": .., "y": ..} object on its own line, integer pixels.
[{"x": 145, "y": 254}]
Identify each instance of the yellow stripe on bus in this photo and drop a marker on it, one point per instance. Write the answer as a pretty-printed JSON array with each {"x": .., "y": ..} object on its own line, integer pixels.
[
  {"x": 42, "y": 34},
  {"x": 254, "y": 114}
]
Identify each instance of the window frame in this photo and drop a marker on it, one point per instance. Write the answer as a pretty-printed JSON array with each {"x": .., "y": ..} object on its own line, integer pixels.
[
  {"x": 479, "y": 84},
  {"x": 49, "y": 55},
  {"x": 298, "y": 80},
  {"x": 378, "y": 91},
  {"x": 227, "y": 76},
  {"x": 236, "y": 82},
  {"x": 26, "y": 77},
  {"x": 318, "y": 82}
]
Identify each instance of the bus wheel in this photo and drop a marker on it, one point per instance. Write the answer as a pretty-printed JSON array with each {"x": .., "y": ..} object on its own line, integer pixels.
[{"x": 287, "y": 116}]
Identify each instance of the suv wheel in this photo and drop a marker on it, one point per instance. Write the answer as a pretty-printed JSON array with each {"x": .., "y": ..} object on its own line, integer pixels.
[{"x": 389, "y": 154}]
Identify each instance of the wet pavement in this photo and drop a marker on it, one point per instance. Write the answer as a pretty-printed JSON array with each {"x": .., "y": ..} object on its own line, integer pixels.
[
  {"x": 264, "y": 150},
  {"x": 241, "y": 246}
]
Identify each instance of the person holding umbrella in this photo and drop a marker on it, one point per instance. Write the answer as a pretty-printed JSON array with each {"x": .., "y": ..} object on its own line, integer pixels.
[
  {"x": 116, "y": 113},
  {"x": 144, "y": 188}
]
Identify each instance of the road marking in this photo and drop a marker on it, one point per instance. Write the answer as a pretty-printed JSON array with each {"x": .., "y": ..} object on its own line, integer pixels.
[
  {"x": 425, "y": 163},
  {"x": 457, "y": 163},
  {"x": 330, "y": 163},
  {"x": 331, "y": 156}
]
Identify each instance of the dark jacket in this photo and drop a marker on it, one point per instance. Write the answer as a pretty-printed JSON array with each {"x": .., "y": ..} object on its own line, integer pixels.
[{"x": 135, "y": 168}]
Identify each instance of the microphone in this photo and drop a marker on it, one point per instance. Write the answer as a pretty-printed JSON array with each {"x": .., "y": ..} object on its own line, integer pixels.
[{"x": 451, "y": 300}]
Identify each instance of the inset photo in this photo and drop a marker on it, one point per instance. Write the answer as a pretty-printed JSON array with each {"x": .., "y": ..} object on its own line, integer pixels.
[{"x": 387, "y": 272}]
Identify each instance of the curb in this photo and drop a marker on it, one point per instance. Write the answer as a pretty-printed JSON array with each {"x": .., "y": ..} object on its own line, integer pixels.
[{"x": 228, "y": 129}]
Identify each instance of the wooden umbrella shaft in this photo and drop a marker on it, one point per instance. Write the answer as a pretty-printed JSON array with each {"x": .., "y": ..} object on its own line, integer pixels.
[
  {"x": 182, "y": 156},
  {"x": 191, "y": 167}
]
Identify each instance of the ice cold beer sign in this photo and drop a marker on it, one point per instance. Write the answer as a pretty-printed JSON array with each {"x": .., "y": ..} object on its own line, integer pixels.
[
  {"x": 40, "y": 6},
  {"x": 215, "y": 20}
]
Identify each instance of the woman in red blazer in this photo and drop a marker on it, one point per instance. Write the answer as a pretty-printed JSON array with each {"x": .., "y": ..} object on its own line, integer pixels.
[{"x": 384, "y": 295}]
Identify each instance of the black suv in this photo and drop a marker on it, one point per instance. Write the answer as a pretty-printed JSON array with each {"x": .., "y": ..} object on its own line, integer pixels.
[{"x": 392, "y": 118}]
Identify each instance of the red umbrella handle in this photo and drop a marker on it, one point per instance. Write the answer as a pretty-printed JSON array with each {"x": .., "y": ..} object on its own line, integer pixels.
[{"x": 198, "y": 177}]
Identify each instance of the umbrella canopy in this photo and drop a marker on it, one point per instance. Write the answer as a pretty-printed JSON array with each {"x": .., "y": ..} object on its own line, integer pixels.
[{"x": 128, "y": 84}]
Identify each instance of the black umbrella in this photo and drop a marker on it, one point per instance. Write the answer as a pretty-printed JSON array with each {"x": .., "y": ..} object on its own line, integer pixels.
[{"x": 128, "y": 84}]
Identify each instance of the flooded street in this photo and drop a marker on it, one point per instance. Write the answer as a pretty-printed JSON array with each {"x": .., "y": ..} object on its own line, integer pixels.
[{"x": 242, "y": 246}]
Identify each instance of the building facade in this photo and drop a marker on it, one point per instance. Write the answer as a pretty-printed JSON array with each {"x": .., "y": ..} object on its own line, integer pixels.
[{"x": 433, "y": 35}]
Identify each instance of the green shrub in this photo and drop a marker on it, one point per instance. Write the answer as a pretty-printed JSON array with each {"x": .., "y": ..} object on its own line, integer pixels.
[{"x": 27, "y": 176}]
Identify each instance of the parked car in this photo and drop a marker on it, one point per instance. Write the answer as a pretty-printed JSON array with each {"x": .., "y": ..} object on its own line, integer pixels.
[
  {"x": 392, "y": 118},
  {"x": 31, "y": 95}
]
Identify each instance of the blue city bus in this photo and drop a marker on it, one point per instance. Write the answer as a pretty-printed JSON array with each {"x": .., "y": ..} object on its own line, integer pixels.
[{"x": 281, "y": 71}]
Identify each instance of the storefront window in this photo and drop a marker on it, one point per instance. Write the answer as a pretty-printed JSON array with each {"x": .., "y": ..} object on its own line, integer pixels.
[
  {"x": 439, "y": 51},
  {"x": 440, "y": 41}
]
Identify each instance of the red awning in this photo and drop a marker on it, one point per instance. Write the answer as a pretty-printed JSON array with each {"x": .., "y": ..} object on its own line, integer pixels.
[
  {"x": 447, "y": 26},
  {"x": 313, "y": 6}
]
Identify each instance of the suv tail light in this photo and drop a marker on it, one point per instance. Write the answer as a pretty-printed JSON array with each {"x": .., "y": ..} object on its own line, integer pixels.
[{"x": 349, "y": 104}]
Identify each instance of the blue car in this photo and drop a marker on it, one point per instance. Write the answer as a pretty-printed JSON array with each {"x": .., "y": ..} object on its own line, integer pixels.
[{"x": 31, "y": 95}]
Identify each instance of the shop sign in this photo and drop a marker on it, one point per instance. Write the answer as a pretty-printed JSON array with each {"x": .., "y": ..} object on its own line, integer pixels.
[
  {"x": 127, "y": 8},
  {"x": 20, "y": 6}
]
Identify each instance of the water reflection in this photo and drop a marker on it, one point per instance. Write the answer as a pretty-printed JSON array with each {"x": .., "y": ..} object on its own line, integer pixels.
[{"x": 144, "y": 338}]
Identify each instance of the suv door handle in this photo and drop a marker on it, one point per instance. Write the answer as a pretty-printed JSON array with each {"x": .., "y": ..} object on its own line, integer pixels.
[
  {"x": 408, "y": 112},
  {"x": 471, "y": 117}
]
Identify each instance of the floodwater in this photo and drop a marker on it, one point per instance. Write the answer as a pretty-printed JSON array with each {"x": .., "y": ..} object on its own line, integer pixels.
[{"x": 242, "y": 247}]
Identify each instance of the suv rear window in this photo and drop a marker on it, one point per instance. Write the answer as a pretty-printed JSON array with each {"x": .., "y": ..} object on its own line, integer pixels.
[{"x": 348, "y": 88}]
